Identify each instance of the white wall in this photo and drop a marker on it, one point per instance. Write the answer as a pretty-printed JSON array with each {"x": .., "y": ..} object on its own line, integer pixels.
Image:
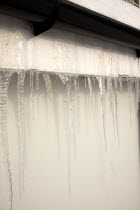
[{"x": 99, "y": 179}]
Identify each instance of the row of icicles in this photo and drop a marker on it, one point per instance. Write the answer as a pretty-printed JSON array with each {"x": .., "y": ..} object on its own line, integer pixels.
[{"x": 71, "y": 85}]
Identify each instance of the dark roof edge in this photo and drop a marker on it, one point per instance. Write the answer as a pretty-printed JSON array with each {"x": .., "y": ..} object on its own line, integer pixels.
[{"x": 43, "y": 15}]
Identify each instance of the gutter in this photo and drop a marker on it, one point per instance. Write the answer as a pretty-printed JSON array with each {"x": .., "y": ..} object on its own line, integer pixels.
[{"x": 44, "y": 13}]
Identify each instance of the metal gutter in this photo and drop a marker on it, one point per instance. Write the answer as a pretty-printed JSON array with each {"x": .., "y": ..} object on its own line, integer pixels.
[{"x": 44, "y": 13}]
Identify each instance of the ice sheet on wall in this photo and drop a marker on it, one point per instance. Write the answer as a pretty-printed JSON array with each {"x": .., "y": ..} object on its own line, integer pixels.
[
  {"x": 62, "y": 51},
  {"x": 68, "y": 138}
]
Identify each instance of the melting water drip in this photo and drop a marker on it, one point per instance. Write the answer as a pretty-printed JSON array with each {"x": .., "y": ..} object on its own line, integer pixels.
[
  {"x": 4, "y": 83},
  {"x": 20, "y": 98}
]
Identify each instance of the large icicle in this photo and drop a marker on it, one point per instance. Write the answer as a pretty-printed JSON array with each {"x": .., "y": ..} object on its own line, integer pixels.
[
  {"x": 121, "y": 83},
  {"x": 85, "y": 81},
  {"x": 137, "y": 92},
  {"x": 68, "y": 124},
  {"x": 68, "y": 130},
  {"x": 4, "y": 83},
  {"x": 75, "y": 112},
  {"x": 111, "y": 99},
  {"x": 89, "y": 79},
  {"x": 101, "y": 82},
  {"x": 20, "y": 98},
  {"x": 130, "y": 82},
  {"x": 77, "y": 98},
  {"x": 37, "y": 88},
  {"x": 32, "y": 91},
  {"x": 49, "y": 88},
  {"x": 116, "y": 107},
  {"x": 74, "y": 106}
]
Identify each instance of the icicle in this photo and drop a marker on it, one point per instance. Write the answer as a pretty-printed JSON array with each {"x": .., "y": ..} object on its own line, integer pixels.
[
  {"x": 116, "y": 107},
  {"x": 63, "y": 78},
  {"x": 95, "y": 95},
  {"x": 91, "y": 91},
  {"x": 48, "y": 85},
  {"x": 85, "y": 78},
  {"x": 121, "y": 84},
  {"x": 4, "y": 84},
  {"x": 75, "y": 106},
  {"x": 130, "y": 82},
  {"x": 137, "y": 92},
  {"x": 71, "y": 117},
  {"x": 37, "y": 88},
  {"x": 32, "y": 91},
  {"x": 111, "y": 95},
  {"x": 77, "y": 91},
  {"x": 89, "y": 84},
  {"x": 93, "y": 79},
  {"x": 101, "y": 82},
  {"x": 68, "y": 125},
  {"x": 20, "y": 98}
]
